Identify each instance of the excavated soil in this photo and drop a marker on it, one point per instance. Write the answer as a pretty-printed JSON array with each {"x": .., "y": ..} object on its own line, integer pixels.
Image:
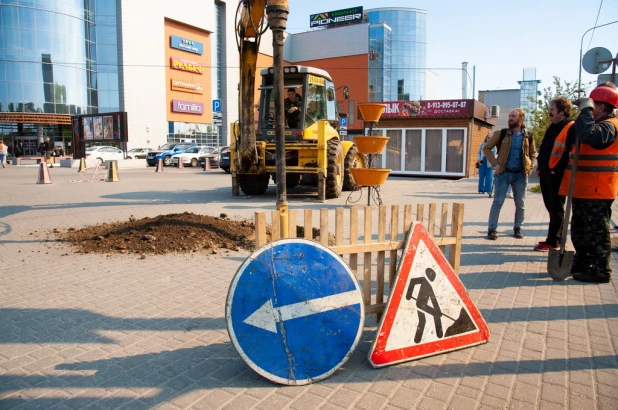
[{"x": 173, "y": 233}]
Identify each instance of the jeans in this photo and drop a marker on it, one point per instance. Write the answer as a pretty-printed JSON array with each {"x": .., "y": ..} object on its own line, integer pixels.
[
  {"x": 519, "y": 182},
  {"x": 2, "y": 157},
  {"x": 486, "y": 175}
]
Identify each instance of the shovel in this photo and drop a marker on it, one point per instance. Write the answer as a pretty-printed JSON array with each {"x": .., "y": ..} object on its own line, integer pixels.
[{"x": 559, "y": 262}]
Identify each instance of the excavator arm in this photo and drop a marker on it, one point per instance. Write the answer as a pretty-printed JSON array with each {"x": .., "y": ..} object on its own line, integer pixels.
[{"x": 251, "y": 24}]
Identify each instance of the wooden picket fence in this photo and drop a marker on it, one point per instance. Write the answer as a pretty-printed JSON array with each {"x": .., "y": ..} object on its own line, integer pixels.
[{"x": 345, "y": 240}]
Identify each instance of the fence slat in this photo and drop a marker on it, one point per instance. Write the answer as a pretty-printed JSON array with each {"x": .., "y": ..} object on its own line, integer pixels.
[
  {"x": 407, "y": 220},
  {"x": 260, "y": 229},
  {"x": 381, "y": 255},
  {"x": 443, "y": 223},
  {"x": 354, "y": 239},
  {"x": 367, "y": 259},
  {"x": 275, "y": 226},
  {"x": 394, "y": 236},
  {"x": 454, "y": 252},
  {"x": 292, "y": 223},
  {"x": 308, "y": 224},
  {"x": 431, "y": 222},
  {"x": 339, "y": 221},
  {"x": 420, "y": 212},
  {"x": 324, "y": 226}
]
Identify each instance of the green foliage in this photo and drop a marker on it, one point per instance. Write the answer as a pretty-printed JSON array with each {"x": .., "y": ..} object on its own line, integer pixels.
[
  {"x": 536, "y": 188},
  {"x": 538, "y": 121}
]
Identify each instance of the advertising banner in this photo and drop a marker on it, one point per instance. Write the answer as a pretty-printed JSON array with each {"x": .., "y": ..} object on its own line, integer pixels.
[
  {"x": 187, "y": 87},
  {"x": 427, "y": 109},
  {"x": 186, "y": 44},
  {"x": 186, "y": 65},
  {"x": 187, "y": 107},
  {"x": 330, "y": 18}
]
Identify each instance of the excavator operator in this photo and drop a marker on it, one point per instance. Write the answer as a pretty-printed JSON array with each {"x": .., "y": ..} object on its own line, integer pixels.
[{"x": 293, "y": 107}]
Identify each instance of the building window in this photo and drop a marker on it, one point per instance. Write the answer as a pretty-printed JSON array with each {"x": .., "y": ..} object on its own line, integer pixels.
[{"x": 351, "y": 112}]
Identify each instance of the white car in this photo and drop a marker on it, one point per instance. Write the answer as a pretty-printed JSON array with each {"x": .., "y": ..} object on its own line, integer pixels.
[
  {"x": 138, "y": 153},
  {"x": 192, "y": 155},
  {"x": 104, "y": 153}
]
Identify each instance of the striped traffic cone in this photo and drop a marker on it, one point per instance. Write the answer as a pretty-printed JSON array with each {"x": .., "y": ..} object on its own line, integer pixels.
[
  {"x": 180, "y": 164},
  {"x": 206, "y": 164},
  {"x": 159, "y": 166},
  {"x": 112, "y": 172},
  {"x": 82, "y": 165}
]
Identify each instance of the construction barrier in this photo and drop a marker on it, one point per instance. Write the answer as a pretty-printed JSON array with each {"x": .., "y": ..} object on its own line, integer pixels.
[
  {"x": 112, "y": 172},
  {"x": 82, "y": 165},
  {"x": 159, "y": 167},
  {"x": 44, "y": 177},
  {"x": 378, "y": 257}
]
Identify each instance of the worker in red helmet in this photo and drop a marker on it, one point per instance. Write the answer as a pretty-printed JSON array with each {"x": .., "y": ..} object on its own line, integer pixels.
[{"x": 596, "y": 184}]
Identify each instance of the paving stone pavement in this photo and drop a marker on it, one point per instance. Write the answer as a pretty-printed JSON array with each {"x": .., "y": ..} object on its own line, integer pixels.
[{"x": 109, "y": 332}]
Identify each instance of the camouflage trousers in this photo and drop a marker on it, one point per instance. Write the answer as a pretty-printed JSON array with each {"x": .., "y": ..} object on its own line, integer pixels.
[{"x": 590, "y": 234}]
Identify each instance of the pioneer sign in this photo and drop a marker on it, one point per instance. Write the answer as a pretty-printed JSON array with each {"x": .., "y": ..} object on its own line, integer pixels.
[
  {"x": 187, "y": 87},
  {"x": 351, "y": 15}
]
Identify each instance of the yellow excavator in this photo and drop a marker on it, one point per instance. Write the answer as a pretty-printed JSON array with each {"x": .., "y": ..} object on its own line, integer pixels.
[{"x": 291, "y": 138}]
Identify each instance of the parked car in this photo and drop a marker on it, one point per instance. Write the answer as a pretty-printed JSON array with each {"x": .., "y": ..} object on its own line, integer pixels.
[
  {"x": 192, "y": 155},
  {"x": 224, "y": 159},
  {"x": 104, "y": 153},
  {"x": 166, "y": 151},
  {"x": 138, "y": 153},
  {"x": 213, "y": 158}
]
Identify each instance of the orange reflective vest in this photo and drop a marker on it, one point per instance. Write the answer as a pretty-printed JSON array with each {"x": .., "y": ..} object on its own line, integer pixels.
[
  {"x": 559, "y": 145},
  {"x": 597, "y": 171}
]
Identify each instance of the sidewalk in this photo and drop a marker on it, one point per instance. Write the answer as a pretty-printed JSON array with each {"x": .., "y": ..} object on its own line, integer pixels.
[{"x": 98, "y": 331}]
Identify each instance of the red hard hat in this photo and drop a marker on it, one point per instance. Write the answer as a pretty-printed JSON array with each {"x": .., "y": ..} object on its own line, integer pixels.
[{"x": 605, "y": 94}]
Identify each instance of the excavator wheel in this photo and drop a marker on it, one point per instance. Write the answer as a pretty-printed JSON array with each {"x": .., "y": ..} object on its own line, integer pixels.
[
  {"x": 353, "y": 159},
  {"x": 253, "y": 184},
  {"x": 334, "y": 169}
]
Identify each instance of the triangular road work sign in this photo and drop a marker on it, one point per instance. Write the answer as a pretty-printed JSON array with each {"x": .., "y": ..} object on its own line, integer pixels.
[{"x": 429, "y": 311}]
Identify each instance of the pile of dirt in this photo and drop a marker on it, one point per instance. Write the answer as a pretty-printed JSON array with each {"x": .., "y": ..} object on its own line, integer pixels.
[{"x": 173, "y": 233}]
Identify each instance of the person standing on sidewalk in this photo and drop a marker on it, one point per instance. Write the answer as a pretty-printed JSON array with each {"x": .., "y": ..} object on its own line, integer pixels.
[
  {"x": 551, "y": 163},
  {"x": 596, "y": 184},
  {"x": 3, "y": 153},
  {"x": 486, "y": 172},
  {"x": 516, "y": 154},
  {"x": 49, "y": 152}
]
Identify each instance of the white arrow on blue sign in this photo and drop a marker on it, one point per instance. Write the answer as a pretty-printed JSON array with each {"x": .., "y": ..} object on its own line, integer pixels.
[
  {"x": 294, "y": 311},
  {"x": 216, "y": 105}
]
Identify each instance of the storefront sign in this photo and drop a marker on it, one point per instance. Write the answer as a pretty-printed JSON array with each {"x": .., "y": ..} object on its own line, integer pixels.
[
  {"x": 432, "y": 108},
  {"x": 187, "y": 107},
  {"x": 351, "y": 15},
  {"x": 187, "y": 87},
  {"x": 185, "y": 44},
  {"x": 186, "y": 65}
]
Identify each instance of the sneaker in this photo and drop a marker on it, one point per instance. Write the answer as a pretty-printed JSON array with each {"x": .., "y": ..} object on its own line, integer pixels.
[
  {"x": 492, "y": 234},
  {"x": 544, "y": 247},
  {"x": 591, "y": 277},
  {"x": 517, "y": 233}
]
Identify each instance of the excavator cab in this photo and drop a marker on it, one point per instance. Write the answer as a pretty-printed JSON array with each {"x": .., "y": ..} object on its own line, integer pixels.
[{"x": 309, "y": 96}]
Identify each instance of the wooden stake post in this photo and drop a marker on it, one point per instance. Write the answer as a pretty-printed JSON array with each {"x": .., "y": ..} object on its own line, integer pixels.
[{"x": 347, "y": 243}]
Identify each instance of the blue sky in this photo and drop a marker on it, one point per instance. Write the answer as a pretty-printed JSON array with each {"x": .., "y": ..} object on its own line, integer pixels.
[{"x": 500, "y": 38}]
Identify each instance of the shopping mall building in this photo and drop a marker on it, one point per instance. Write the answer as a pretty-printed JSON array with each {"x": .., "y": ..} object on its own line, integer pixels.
[{"x": 163, "y": 62}]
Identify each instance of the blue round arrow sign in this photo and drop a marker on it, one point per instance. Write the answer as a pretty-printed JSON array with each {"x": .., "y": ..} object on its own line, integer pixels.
[{"x": 294, "y": 311}]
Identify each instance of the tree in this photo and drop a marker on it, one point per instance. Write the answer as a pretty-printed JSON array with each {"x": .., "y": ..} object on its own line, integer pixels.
[{"x": 538, "y": 120}]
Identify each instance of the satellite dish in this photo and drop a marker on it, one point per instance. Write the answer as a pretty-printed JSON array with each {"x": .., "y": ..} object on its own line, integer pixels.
[{"x": 591, "y": 61}]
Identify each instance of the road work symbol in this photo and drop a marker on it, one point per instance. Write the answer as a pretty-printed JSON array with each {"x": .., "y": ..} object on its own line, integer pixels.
[
  {"x": 426, "y": 289},
  {"x": 294, "y": 311}
]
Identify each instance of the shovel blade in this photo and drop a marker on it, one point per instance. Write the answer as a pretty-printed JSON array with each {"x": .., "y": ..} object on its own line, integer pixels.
[{"x": 559, "y": 264}]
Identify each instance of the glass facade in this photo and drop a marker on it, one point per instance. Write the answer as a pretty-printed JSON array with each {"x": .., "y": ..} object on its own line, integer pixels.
[
  {"x": 529, "y": 92},
  {"x": 58, "y": 57},
  {"x": 408, "y": 45},
  {"x": 379, "y": 62}
]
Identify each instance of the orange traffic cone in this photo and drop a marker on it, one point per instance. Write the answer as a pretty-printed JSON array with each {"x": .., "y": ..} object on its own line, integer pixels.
[
  {"x": 43, "y": 174},
  {"x": 159, "y": 166},
  {"x": 180, "y": 164},
  {"x": 206, "y": 164}
]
